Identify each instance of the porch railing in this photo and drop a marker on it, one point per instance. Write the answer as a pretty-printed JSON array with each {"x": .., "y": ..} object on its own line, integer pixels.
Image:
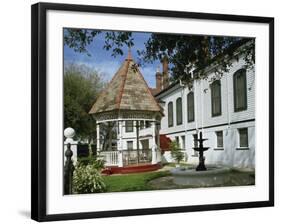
[
  {"x": 110, "y": 157},
  {"x": 129, "y": 157},
  {"x": 134, "y": 156}
]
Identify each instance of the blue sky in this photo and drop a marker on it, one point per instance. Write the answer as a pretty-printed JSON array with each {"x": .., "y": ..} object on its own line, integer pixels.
[{"x": 102, "y": 61}]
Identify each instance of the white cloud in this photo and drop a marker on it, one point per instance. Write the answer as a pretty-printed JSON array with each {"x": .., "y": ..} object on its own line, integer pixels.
[{"x": 107, "y": 69}]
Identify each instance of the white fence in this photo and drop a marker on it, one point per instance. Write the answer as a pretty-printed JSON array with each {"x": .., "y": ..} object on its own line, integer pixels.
[{"x": 110, "y": 157}]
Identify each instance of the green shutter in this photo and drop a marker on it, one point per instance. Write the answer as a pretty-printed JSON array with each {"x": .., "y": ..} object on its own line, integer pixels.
[
  {"x": 170, "y": 114},
  {"x": 179, "y": 111},
  {"x": 240, "y": 90},
  {"x": 190, "y": 107},
  {"x": 216, "y": 98}
]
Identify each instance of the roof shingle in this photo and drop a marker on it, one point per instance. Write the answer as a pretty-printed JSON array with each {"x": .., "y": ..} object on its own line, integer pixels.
[{"x": 126, "y": 91}]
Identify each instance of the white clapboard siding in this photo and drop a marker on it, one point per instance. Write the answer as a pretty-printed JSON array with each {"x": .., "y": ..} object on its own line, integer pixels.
[{"x": 228, "y": 122}]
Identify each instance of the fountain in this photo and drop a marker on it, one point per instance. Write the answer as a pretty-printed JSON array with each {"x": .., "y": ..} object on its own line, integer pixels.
[
  {"x": 201, "y": 176},
  {"x": 201, "y": 166}
]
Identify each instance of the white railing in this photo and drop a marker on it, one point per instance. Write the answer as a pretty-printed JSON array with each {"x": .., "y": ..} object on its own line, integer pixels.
[
  {"x": 133, "y": 156},
  {"x": 110, "y": 157},
  {"x": 129, "y": 157}
]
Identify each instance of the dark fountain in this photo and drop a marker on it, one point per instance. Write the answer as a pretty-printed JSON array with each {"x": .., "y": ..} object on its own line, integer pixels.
[
  {"x": 201, "y": 176},
  {"x": 201, "y": 166}
]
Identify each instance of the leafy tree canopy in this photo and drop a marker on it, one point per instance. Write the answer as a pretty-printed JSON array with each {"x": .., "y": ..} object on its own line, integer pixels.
[
  {"x": 81, "y": 88},
  {"x": 184, "y": 52}
]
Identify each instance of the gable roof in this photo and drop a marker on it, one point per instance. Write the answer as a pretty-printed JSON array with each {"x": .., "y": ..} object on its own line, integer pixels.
[{"x": 126, "y": 91}]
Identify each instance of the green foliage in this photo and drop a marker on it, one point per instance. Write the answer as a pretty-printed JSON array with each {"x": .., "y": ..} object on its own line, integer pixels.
[
  {"x": 176, "y": 152},
  {"x": 79, "y": 39},
  {"x": 81, "y": 88},
  {"x": 185, "y": 52},
  {"x": 92, "y": 160},
  {"x": 132, "y": 182},
  {"x": 87, "y": 178}
]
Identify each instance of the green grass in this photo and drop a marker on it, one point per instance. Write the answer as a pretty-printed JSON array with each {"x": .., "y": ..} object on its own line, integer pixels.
[
  {"x": 141, "y": 181},
  {"x": 132, "y": 182}
]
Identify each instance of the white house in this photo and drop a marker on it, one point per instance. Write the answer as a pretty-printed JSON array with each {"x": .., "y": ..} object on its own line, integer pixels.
[{"x": 223, "y": 109}]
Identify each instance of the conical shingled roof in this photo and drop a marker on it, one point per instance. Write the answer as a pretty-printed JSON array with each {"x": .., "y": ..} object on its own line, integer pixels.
[{"x": 126, "y": 91}]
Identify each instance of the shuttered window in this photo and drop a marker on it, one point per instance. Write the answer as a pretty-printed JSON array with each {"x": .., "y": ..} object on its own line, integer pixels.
[
  {"x": 170, "y": 114},
  {"x": 240, "y": 90},
  {"x": 219, "y": 139},
  {"x": 243, "y": 137},
  {"x": 190, "y": 107},
  {"x": 179, "y": 110},
  {"x": 216, "y": 98}
]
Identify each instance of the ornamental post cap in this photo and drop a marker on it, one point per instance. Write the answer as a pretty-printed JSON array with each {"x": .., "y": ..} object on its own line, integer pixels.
[{"x": 69, "y": 132}]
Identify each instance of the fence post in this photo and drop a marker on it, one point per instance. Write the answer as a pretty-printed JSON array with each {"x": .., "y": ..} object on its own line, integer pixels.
[{"x": 68, "y": 170}]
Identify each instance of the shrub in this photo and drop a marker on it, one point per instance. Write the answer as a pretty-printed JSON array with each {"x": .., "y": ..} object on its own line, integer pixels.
[
  {"x": 94, "y": 160},
  {"x": 87, "y": 177},
  {"x": 176, "y": 152}
]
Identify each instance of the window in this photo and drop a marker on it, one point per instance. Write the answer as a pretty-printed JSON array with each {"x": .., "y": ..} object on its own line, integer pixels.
[
  {"x": 243, "y": 138},
  {"x": 219, "y": 139},
  {"x": 129, "y": 126},
  {"x": 216, "y": 98},
  {"x": 183, "y": 142},
  {"x": 170, "y": 114},
  {"x": 195, "y": 140},
  {"x": 129, "y": 145},
  {"x": 147, "y": 124},
  {"x": 190, "y": 107},
  {"x": 240, "y": 90},
  {"x": 179, "y": 111}
]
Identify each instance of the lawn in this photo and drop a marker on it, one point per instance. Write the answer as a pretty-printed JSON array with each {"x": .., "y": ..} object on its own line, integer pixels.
[
  {"x": 132, "y": 182},
  {"x": 162, "y": 180}
]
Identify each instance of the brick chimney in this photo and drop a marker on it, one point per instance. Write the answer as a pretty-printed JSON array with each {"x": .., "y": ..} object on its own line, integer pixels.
[
  {"x": 165, "y": 64},
  {"x": 159, "y": 80}
]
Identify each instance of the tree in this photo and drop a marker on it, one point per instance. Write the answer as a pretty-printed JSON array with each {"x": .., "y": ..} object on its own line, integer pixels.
[
  {"x": 81, "y": 88},
  {"x": 184, "y": 52},
  {"x": 176, "y": 152}
]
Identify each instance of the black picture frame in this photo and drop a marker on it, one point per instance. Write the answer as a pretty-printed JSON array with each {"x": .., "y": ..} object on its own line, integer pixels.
[{"x": 38, "y": 110}]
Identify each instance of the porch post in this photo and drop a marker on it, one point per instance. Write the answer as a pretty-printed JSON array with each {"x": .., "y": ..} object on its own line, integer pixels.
[
  {"x": 98, "y": 138},
  {"x": 154, "y": 146},
  {"x": 120, "y": 144}
]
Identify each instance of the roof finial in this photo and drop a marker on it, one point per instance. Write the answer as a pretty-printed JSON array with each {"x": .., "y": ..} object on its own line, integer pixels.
[{"x": 129, "y": 57}]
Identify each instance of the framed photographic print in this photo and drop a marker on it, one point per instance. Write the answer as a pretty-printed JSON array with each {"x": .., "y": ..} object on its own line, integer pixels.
[{"x": 139, "y": 111}]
